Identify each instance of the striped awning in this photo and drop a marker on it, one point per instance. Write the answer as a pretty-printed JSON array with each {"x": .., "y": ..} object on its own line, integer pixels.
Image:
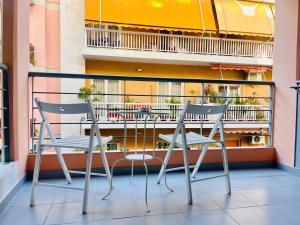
[
  {"x": 253, "y": 18},
  {"x": 240, "y": 67},
  {"x": 245, "y": 131},
  {"x": 186, "y": 15}
]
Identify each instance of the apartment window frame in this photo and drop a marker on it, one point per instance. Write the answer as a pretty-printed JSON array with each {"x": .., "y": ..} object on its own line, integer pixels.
[
  {"x": 228, "y": 90},
  {"x": 258, "y": 75},
  {"x": 106, "y": 86},
  {"x": 170, "y": 92}
]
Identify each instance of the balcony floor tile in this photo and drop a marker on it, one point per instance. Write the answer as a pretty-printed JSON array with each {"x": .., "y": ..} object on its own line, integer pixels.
[{"x": 266, "y": 196}]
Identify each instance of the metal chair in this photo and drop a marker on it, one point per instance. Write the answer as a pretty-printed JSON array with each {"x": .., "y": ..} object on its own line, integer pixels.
[
  {"x": 87, "y": 143},
  {"x": 185, "y": 140}
]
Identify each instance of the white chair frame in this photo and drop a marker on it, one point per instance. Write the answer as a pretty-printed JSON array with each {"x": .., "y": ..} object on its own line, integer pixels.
[
  {"x": 83, "y": 142},
  {"x": 191, "y": 138}
]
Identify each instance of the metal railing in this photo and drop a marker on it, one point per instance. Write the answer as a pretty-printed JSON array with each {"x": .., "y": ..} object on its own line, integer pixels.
[
  {"x": 106, "y": 112},
  {"x": 4, "y": 115},
  {"x": 246, "y": 115},
  {"x": 188, "y": 44}
]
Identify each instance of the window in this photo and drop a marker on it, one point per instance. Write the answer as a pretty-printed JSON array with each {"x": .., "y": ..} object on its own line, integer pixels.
[
  {"x": 229, "y": 91},
  {"x": 255, "y": 76},
  {"x": 172, "y": 89},
  {"x": 107, "y": 87}
]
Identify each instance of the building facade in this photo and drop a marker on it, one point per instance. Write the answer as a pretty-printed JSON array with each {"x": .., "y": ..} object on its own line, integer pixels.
[{"x": 220, "y": 39}]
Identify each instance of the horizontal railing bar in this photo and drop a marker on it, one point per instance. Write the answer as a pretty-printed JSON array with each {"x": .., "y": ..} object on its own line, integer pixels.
[
  {"x": 144, "y": 95},
  {"x": 115, "y": 111},
  {"x": 171, "y": 122},
  {"x": 147, "y": 136},
  {"x": 146, "y": 78}
]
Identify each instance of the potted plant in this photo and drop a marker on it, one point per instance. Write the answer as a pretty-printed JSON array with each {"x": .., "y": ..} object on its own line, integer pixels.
[{"x": 173, "y": 108}]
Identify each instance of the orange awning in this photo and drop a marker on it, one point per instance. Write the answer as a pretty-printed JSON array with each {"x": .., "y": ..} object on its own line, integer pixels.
[
  {"x": 154, "y": 14},
  {"x": 245, "y": 131},
  {"x": 240, "y": 67},
  {"x": 245, "y": 17}
]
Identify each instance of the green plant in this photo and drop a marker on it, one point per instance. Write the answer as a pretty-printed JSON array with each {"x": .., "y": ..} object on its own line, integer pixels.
[
  {"x": 173, "y": 110},
  {"x": 128, "y": 99},
  {"x": 32, "y": 61},
  {"x": 35, "y": 132},
  {"x": 86, "y": 92},
  {"x": 193, "y": 92},
  {"x": 210, "y": 93},
  {"x": 252, "y": 100},
  {"x": 172, "y": 100}
]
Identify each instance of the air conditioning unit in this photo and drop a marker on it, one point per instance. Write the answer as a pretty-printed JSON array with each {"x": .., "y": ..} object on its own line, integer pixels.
[{"x": 255, "y": 140}]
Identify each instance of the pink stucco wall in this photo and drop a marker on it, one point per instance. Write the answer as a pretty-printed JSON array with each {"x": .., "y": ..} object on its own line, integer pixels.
[
  {"x": 284, "y": 76},
  {"x": 45, "y": 37},
  {"x": 16, "y": 56}
]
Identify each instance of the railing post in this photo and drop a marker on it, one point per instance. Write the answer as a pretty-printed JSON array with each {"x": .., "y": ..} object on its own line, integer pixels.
[
  {"x": 5, "y": 90},
  {"x": 271, "y": 114}
]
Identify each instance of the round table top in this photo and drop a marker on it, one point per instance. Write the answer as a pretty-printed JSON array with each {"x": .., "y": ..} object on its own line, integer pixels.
[{"x": 139, "y": 112}]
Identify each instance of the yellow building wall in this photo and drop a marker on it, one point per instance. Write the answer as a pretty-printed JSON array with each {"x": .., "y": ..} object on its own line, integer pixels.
[
  {"x": 171, "y": 71},
  {"x": 158, "y": 70},
  {"x": 232, "y": 140},
  {"x": 161, "y": 70}
]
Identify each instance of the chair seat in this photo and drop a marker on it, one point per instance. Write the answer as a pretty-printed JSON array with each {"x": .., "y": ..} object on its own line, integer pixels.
[
  {"x": 73, "y": 141},
  {"x": 139, "y": 157},
  {"x": 191, "y": 139}
]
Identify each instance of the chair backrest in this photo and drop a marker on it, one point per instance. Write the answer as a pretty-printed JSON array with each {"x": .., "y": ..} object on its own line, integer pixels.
[
  {"x": 204, "y": 110},
  {"x": 76, "y": 108},
  {"x": 218, "y": 110}
]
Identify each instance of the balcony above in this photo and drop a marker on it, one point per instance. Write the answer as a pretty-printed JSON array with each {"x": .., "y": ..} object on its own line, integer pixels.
[
  {"x": 116, "y": 45},
  {"x": 237, "y": 116}
]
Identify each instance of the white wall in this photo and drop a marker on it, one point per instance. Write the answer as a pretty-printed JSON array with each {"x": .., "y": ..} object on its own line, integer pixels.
[{"x": 72, "y": 40}]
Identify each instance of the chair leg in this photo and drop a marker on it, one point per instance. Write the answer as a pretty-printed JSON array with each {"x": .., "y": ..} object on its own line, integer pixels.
[
  {"x": 165, "y": 175},
  {"x": 112, "y": 174},
  {"x": 132, "y": 164},
  {"x": 226, "y": 169},
  {"x": 87, "y": 181},
  {"x": 106, "y": 166},
  {"x": 165, "y": 163},
  {"x": 187, "y": 174},
  {"x": 63, "y": 165},
  {"x": 199, "y": 161},
  {"x": 146, "y": 188},
  {"x": 36, "y": 173}
]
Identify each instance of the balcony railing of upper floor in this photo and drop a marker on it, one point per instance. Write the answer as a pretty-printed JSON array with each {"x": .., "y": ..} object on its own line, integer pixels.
[
  {"x": 107, "y": 113},
  {"x": 172, "y": 43}
]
